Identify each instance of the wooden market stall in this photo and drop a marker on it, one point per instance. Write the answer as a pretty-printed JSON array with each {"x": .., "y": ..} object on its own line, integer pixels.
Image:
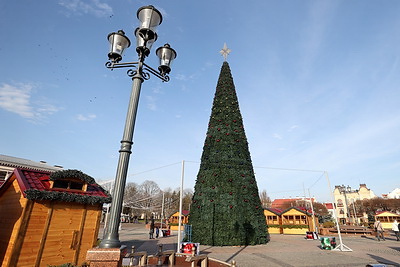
[
  {"x": 274, "y": 220},
  {"x": 387, "y": 218},
  {"x": 173, "y": 220},
  {"x": 296, "y": 220},
  {"x": 49, "y": 218}
]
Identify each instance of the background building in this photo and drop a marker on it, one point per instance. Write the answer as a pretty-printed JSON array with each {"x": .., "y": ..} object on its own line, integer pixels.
[
  {"x": 345, "y": 199},
  {"x": 8, "y": 164}
]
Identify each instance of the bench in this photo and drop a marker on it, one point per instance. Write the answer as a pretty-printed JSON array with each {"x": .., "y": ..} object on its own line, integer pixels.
[{"x": 353, "y": 230}]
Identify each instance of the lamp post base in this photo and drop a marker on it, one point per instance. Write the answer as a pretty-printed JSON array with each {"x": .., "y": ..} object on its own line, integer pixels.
[{"x": 110, "y": 240}]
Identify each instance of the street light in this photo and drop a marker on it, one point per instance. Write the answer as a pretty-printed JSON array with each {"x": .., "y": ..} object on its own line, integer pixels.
[
  {"x": 139, "y": 71},
  {"x": 344, "y": 190}
]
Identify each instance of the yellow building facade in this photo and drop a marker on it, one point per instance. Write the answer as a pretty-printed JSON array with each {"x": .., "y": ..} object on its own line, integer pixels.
[{"x": 345, "y": 199}]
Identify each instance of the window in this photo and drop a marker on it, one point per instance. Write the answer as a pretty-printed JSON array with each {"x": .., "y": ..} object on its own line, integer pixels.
[
  {"x": 340, "y": 203},
  {"x": 68, "y": 185},
  {"x": 301, "y": 219},
  {"x": 272, "y": 219},
  {"x": 288, "y": 219}
]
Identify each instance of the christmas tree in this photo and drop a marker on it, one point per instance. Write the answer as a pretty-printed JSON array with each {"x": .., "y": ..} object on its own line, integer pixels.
[{"x": 226, "y": 209}]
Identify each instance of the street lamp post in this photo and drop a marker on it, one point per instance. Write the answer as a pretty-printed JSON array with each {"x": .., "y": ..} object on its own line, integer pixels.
[
  {"x": 344, "y": 190},
  {"x": 139, "y": 71}
]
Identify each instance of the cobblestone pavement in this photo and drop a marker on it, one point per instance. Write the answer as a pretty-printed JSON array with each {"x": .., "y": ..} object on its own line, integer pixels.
[{"x": 282, "y": 250}]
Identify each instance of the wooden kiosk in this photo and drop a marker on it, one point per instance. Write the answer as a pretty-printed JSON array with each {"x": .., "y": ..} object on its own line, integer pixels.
[
  {"x": 174, "y": 219},
  {"x": 387, "y": 218},
  {"x": 297, "y": 221},
  {"x": 49, "y": 218},
  {"x": 294, "y": 220},
  {"x": 274, "y": 220}
]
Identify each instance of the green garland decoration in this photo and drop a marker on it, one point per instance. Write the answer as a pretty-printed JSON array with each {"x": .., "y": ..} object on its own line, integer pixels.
[
  {"x": 34, "y": 194},
  {"x": 65, "y": 174}
]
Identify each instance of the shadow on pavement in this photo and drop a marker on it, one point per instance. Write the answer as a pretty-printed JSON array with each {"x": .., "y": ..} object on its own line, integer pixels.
[
  {"x": 235, "y": 254},
  {"x": 383, "y": 260}
]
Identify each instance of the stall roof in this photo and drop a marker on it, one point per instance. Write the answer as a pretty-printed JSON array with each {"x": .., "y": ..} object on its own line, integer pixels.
[{"x": 35, "y": 185}]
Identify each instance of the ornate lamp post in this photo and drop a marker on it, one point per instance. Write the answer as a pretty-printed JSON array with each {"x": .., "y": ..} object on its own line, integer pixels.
[
  {"x": 139, "y": 71},
  {"x": 344, "y": 190}
]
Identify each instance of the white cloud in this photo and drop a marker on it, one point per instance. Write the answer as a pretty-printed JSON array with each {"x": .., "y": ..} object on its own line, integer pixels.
[
  {"x": 292, "y": 128},
  {"x": 277, "y": 136},
  {"x": 88, "y": 117},
  {"x": 93, "y": 7},
  {"x": 18, "y": 99},
  {"x": 151, "y": 103}
]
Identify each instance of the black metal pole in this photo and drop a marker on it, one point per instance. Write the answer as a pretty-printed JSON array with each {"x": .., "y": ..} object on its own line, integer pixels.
[{"x": 111, "y": 236}]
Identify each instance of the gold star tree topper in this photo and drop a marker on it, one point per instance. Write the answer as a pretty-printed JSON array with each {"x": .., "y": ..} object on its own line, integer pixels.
[{"x": 225, "y": 51}]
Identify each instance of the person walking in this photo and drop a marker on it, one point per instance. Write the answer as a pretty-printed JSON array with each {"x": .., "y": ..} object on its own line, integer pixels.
[
  {"x": 395, "y": 228},
  {"x": 151, "y": 233},
  {"x": 157, "y": 232},
  {"x": 379, "y": 230}
]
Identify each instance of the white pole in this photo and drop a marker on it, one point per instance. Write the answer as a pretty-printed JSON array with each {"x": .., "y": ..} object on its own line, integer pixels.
[
  {"x": 341, "y": 246},
  {"x": 313, "y": 213},
  {"x": 162, "y": 210},
  {"x": 180, "y": 207}
]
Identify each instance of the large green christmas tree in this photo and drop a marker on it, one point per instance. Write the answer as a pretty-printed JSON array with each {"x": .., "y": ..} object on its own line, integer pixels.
[{"x": 226, "y": 208}]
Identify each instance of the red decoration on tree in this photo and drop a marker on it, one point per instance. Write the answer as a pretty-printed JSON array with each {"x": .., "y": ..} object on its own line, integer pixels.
[
  {"x": 218, "y": 140},
  {"x": 230, "y": 193},
  {"x": 211, "y": 200},
  {"x": 213, "y": 187},
  {"x": 231, "y": 206}
]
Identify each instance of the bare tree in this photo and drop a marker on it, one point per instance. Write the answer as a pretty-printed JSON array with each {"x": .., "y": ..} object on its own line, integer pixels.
[
  {"x": 151, "y": 196},
  {"x": 131, "y": 193},
  {"x": 265, "y": 199}
]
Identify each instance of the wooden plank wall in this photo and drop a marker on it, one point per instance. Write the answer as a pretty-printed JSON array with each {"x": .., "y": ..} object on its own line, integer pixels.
[
  {"x": 56, "y": 234},
  {"x": 90, "y": 231},
  {"x": 34, "y": 234},
  {"x": 12, "y": 204},
  {"x": 64, "y": 223}
]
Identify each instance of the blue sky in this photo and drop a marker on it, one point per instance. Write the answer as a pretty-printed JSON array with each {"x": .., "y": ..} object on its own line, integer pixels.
[{"x": 317, "y": 81}]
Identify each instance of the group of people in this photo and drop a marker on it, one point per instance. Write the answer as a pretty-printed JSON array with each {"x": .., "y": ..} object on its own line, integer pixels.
[
  {"x": 379, "y": 230},
  {"x": 152, "y": 230}
]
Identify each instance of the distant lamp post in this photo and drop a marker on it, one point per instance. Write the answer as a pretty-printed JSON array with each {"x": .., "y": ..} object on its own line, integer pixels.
[
  {"x": 139, "y": 71},
  {"x": 344, "y": 190}
]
